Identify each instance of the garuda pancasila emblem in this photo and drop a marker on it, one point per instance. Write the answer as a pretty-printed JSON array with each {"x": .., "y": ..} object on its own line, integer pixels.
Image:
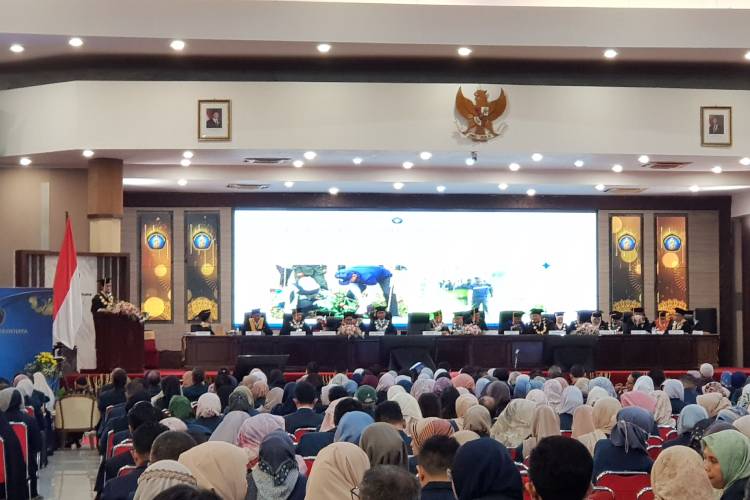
[{"x": 479, "y": 116}]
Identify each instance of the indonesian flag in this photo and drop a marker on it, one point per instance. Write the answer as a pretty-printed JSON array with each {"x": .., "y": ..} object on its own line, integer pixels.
[{"x": 67, "y": 317}]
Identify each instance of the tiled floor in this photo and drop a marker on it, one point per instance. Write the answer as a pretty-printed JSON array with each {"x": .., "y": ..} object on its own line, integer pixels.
[{"x": 70, "y": 475}]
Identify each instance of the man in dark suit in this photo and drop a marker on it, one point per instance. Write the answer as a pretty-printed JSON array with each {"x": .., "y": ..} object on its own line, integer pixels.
[
  {"x": 198, "y": 388},
  {"x": 121, "y": 488},
  {"x": 305, "y": 416},
  {"x": 214, "y": 120},
  {"x": 115, "y": 394},
  {"x": 381, "y": 323},
  {"x": 638, "y": 321},
  {"x": 295, "y": 324},
  {"x": 515, "y": 323},
  {"x": 716, "y": 124},
  {"x": 538, "y": 325},
  {"x": 103, "y": 299}
]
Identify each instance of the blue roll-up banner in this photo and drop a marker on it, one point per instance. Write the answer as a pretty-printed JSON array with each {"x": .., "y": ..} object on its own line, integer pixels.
[{"x": 25, "y": 327}]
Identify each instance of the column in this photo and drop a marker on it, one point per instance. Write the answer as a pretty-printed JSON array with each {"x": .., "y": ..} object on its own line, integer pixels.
[{"x": 105, "y": 204}]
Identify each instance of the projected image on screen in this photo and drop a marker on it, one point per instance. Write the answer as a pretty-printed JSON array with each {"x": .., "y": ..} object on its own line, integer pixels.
[{"x": 412, "y": 261}]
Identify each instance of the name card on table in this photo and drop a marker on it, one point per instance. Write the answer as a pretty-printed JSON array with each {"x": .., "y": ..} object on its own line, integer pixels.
[
  {"x": 559, "y": 333},
  {"x": 511, "y": 332},
  {"x": 376, "y": 334},
  {"x": 201, "y": 334},
  {"x": 301, "y": 333},
  {"x": 324, "y": 333},
  {"x": 491, "y": 332},
  {"x": 256, "y": 333},
  {"x": 607, "y": 332},
  {"x": 431, "y": 332},
  {"x": 639, "y": 332},
  {"x": 676, "y": 332},
  {"x": 697, "y": 332}
]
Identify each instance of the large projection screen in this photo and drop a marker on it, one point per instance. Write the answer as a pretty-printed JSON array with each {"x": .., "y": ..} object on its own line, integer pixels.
[{"x": 413, "y": 261}]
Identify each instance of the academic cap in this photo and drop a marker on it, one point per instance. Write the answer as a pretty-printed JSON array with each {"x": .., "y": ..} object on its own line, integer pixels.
[
  {"x": 204, "y": 315},
  {"x": 680, "y": 311},
  {"x": 104, "y": 281},
  {"x": 380, "y": 308},
  {"x": 662, "y": 314},
  {"x": 517, "y": 314},
  {"x": 255, "y": 312},
  {"x": 615, "y": 315},
  {"x": 559, "y": 313},
  {"x": 536, "y": 310},
  {"x": 596, "y": 314},
  {"x": 638, "y": 310}
]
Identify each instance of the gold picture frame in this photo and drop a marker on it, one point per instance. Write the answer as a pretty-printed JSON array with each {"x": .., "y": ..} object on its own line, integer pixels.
[
  {"x": 214, "y": 120},
  {"x": 716, "y": 126}
]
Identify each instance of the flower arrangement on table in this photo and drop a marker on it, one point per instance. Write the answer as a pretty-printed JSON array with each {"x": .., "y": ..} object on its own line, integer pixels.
[
  {"x": 472, "y": 330},
  {"x": 45, "y": 363},
  {"x": 586, "y": 329},
  {"x": 128, "y": 310}
]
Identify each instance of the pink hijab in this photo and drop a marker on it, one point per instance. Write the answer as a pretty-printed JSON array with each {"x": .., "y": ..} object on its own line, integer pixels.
[
  {"x": 639, "y": 399},
  {"x": 254, "y": 430},
  {"x": 464, "y": 380}
]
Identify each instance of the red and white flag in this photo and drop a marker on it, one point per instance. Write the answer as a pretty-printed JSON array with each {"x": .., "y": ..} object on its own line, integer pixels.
[{"x": 67, "y": 313}]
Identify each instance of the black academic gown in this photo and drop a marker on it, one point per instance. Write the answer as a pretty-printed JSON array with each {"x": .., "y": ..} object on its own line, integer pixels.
[
  {"x": 100, "y": 301},
  {"x": 686, "y": 326},
  {"x": 265, "y": 328},
  {"x": 389, "y": 330},
  {"x": 531, "y": 329},
  {"x": 629, "y": 326},
  {"x": 288, "y": 328}
]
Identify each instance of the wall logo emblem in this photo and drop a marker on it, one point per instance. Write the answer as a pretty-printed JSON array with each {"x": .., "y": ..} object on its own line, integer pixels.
[
  {"x": 672, "y": 243},
  {"x": 156, "y": 240},
  {"x": 202, "y": 241},
  {"x": 476, "y": 120},
  {"x": 626, "y": 243}
]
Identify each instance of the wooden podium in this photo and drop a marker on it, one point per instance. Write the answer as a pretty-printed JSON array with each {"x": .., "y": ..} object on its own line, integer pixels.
[{"x": 119, "y": 342}]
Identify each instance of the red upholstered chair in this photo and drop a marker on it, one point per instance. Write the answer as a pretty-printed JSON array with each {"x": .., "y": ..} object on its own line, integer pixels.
[
  {"x": 654, "y": 441},
  {"x": 30, "y": 411},
  {"x": 567, "y": 434},
  {"x": 2, "y": 468},
  {"x": 23, "y": 437},
  {"x": 123, "y": 447},
  {"x": 601, "y": 493},
  {"x": 301, "y": 432},
  {"x": 665, "y": 430},
  {"x": 110, "y": 443},
  {"x": 513, "y": 453},
  {"x": 672, "y": 434},
  {"x": 309, "y": 461},
  {"x": 653, "y": 451},
  {"x": 645, "y": 494},
  {"x": 525, "y": 479},
  {"x": 625, "y": 484},
  {"x": 521, "y": 467},
  {"x": 125, "y": 470}
]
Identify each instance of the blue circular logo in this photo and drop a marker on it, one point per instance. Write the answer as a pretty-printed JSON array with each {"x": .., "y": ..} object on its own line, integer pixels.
[
  {"x": 202, "y": 241},
  {"x": 397, "y": 220},
  {"x": 156, "y": 241},
  {"x": 672, "y": 243},
  {"x": 626, "y": 243}
]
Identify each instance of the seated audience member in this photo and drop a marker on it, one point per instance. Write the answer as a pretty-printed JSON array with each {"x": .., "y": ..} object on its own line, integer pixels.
[
  {"x": 180, "y": 407},
  {"x": 305, "y": 416},
  {"x": 690, "y": 385},
  {"x": 253, "y": 431},
  {"x": 194, "y": 384},
  {"x": 152, "y": 383},
  {"x": 229, "y": 427},
  {"x": 572, "y": 398},
  {"x": 477, "y": 419},
  {"x": 435, "y": 458},
  {"x": 545, "y": 423},
  {"x": 626, "y": 447},
  {"x": 726, "y": 460},
  {"x": 500, "y": 392},
  {"x": 678, "y": 473},
  {"x": 170, "y": 386},
  {"x": 513, "y": 425},
  {"x": 277, "y": 475},
  {"x": 11, "y": 404},
  {"x": 676, "y": 393},
  {"x": 390, "y": 413},
  {"x": 220, "y": 467},
  {"x": 429, "y": 405},
  {"x": 386, "y": 482},
  {"x": 118, "y": 416},
  {"x": 483, "y": 469},
  {"x": 368, "y": 397},
  {"x": 161, "y": 476},
  {"x": 381, "y": 323},
  {"x": 312, "y": 442},
  {"x": 185, "y": 492},
  {"x": 256, "y": 322},
  {"x": 559, "y": 468},
  {"x": 338, "y": 469},
  {"x": 170, "y": 445},
  {"x": 384, "y": 446},
  {"x": 658, "y": 377},
  {"x": 295, "y": 324},
  {"x": 208, "y": 411},
  {"x": 120, "y": 488},
  {"x": 577, "y": 371},
  {"x": 584, "y": 429},
  {"x": 114, "y": 393},
  {"x": 312, "y": 376},
  {"x": 351, "y": 426},
  {"x": 448, "y": 402}
]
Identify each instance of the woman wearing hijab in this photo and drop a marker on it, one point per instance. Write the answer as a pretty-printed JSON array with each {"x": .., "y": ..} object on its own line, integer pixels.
[
  {"x": 545, "y": 423},
  {"x": 605, "y": 384},
  {"x": 254, "y": 430},
  {"x": 678, "y": 474},
  {"x": 537, "y": 396},
  {"x": 424, "y": 429},
  {"x": 676, "y": 394},
  {"x": 464, "y": 380},
  {"x": 170, "y": 386},
  {"x": 595, "y": 395},
  {"x": 689, "y": 417},
  {"x": 500, "y": 392},
  {"x": 387, "y": 380},
  {"x": 644, "y": 384},
  {"x": 384, "y": 446},
  {"x": 478, "y": 419},
  {"x": 663, "y": 410},
  {"x": 12, "y": 405},
  {"x": 277, "y": 475},
  {"x": 422, "y": 386},
  {"x": 174, "y": 424},
  {"x": 514, "y": 423},
  {"x": 229, "y": 427},
  {"x": 409, "y": 407},
  {"x": 441, "y": 384},
  {"x": 553, "y": 390},
  {"x": 429, "y": 405},
  {"x": 522, "y": 387},
  {"x": 273, "y": 399},
  {"x": 219, "y": 467},
  {"x": 160, "y": 476},
  {"x": 339, "y": 468},
  {"x": 726, "y": 459},
  {"x": 639, "y": 399},
  {"x": 351, "y": 426},
  {"x": 713, "y": 403},
  {"x": 626, "y": 447},
  {"x": 572, "y": 398},
  {"x": 239, "y": 402},
  {"x": 448, "y": 402},
  {"x": 179, "y": 407},
  {"x": 463, "y": 437},
  {"x": 208, "y": 411},
  {"x": 259, "y": 392},
  {"x": 463, "y": 403},
  {"x": 584, "y": 430},
  {"x": 480, "y": 386},
  {"x": 483, "y": 469},
  {"x": 605, "y": 414},
  {"x": 742, "y": 424}
]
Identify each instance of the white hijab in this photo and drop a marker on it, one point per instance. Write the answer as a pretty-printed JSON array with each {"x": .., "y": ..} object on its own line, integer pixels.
[{"x": 40, "y": 384}]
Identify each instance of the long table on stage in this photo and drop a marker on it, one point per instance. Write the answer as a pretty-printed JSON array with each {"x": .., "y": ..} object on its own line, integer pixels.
[{"x": 609, "y": 352}]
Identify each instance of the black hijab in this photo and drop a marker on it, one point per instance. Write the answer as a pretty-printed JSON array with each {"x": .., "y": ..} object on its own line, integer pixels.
[{"x": 483, "y": 467}]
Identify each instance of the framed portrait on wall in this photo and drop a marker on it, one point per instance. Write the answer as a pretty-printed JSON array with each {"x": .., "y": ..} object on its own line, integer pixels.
[
  {"x": 214, "y": 120},
  {"x": 716, "y": 126}
]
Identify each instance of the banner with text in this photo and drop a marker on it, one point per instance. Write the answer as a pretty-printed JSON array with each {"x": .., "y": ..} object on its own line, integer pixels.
[
  {"x": 202, "y": 264},
  {"x": 671, "y": 262},
  {"x": 25, "y": 327},
  {"x": 626, "y": 262},
  {"x": 155, "y": 235}
]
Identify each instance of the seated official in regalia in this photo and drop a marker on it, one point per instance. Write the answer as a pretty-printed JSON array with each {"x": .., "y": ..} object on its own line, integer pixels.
[
  {"x": 515, "y": 324},
  {"x": 350, "y": 326},
  {"x": 295, "y": 323},
  {"x": 257, "y": 323},
  {"x": 680, "y": 322},
  {"x": 538, "y": 325},
  {"x": 615, "y": 321},
  {"x": 559, "y": 323},
  {"x": 477, "y": 319},
  {"x": 590, "y": 327},
  {"x": 382, "y": 323},
  {"x": 457, "y": 328},
  {"x": 662, "y": 323},
  {"x": 638, "y": 321},
  {"x": 436, "y": 323}
]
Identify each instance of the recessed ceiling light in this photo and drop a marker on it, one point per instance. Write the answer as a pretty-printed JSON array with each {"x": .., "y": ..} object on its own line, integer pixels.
[
  {"x": 600, "y": 187},
  {"x": 398, "y": 185},
  {"x": 333, "y": 190},
  {"x": 16, "y": 48},
  {"x": 357, "y": 160},
  {"x": 502, "y": 186},
  {"x": 470, "y": 161},
  {"x": 177, "y": 45},
  {"x": 694, "y": 189},
  {"x": 537, "y": 157},
  {"x": 75, "y": 42},
  {"x": 25, "y": 162},
  {"x": 717, "y": 169},
  {"x": 617, "y": 168},
  {"x": 425, "y": 155},
  {"x": 407, "y": 165},
  {"x": 440, "y": 189},
  {"x": 610, "y": 53},
  {"x": 137, "y": 181},
  {"x": 188, "y": 155},
  {"x": 182, "y": 182},
  {"x": 324, "y": 48},
  {"x": 310, "y": 155},
  {"x": 578, "y": 163},
  {"x": 298, "y": 163},
  {"x": 745, "y": 161},
  {"x": 288, "y": 184},
  {"x": 464, "y": 51},
  {"x": 643, "y": 159},
  {"x": 531, "y": 192},
  {"x": 747, "y": 55},
  {"x": 514, "y": 167},
  {"x": 87, "y": 153},
  {"x": 185, "y": 162}
]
